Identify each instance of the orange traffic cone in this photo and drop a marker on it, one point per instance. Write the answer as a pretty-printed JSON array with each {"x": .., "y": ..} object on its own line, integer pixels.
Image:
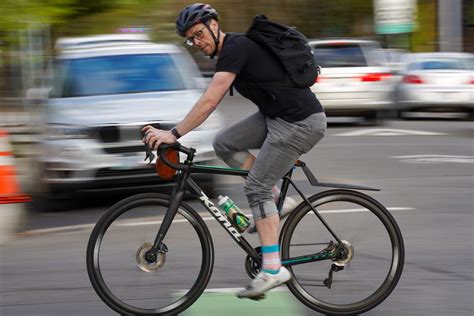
[{"x": 11, "y": 199}]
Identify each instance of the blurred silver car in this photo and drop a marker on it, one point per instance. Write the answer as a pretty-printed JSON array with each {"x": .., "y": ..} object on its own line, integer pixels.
[
  {"x": 437, "y": 84},
  {"x": 106, "y": 89},
  {"x": 354, "y": 81}
]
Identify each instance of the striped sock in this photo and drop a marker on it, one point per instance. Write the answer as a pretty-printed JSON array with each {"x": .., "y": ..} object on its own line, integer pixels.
[{"x": 271, "y": 259}]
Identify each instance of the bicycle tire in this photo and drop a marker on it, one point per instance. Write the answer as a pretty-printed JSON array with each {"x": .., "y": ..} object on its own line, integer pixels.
[
  {"x": 300, "y": 289},
  {"x": 102, "y": 286}
]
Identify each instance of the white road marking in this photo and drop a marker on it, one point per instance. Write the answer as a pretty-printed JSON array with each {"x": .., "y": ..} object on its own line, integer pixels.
[
  {"x": 435, "y": 158},
  {"x": 388, "y": 132},
  {"x": 62, "y": 229},
  {"x": 210, "y": 218},
  {"x": 206, "y": 218},
  {"x": 435, "y": 114},
  {"x": 357, "y": 210}
]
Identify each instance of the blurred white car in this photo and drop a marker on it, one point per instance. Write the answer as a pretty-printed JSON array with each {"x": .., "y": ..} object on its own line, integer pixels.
[
  {"x": 439, "y": 83},
  {"x": 354, "y": 81},
  {"x": 106, "y": 89}
]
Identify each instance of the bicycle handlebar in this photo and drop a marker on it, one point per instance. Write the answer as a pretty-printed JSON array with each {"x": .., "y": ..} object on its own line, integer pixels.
[{"x": 163, "y": 147}]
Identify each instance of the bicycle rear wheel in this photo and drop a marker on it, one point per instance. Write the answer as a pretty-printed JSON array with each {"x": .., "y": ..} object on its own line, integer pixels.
[
  {"x": 129, "y": 284},
  {"x": 374, "y": 256}
]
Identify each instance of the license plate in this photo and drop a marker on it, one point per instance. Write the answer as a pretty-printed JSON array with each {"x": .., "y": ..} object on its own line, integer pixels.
[
  {"x": 128, "y": 162},
  {"x": 449, "y": 95}
]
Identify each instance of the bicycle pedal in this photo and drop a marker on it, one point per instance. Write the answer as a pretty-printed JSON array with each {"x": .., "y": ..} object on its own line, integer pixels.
[{"x": 258, "y": 298}]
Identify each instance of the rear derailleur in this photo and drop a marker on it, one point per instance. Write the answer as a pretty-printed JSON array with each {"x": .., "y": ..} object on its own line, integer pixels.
[
  {"x": 328, "y": 281},
  {"x": 344, "y": 255}
]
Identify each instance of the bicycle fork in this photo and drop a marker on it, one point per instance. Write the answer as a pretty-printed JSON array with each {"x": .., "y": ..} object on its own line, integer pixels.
[{"x": 176, "y": 198}]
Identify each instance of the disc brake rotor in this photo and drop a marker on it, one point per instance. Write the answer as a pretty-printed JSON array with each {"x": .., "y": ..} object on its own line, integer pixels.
[
  {"x": 348, "y": 254},
  {"x": 146, "y": 266}
]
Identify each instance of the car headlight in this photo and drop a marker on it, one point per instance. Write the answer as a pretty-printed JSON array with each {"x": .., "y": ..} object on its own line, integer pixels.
[{"x": 60, "y": 131}]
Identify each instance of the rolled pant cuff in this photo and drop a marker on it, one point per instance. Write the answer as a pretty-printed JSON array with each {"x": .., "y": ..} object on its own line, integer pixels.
[{"x": 264, "y": 210}]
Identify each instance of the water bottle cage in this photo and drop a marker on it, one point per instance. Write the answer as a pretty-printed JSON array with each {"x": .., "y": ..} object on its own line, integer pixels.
[
  {"x": 234, "y": 217},
  {"x": 235, "y": 224}
]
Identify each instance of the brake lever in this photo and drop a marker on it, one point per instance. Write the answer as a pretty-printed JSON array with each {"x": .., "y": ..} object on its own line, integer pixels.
[{"x": 149, "y": 154}]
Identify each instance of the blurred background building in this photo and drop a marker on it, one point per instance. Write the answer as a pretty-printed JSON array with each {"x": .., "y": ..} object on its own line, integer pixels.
[{"x": 28, "y": 29}]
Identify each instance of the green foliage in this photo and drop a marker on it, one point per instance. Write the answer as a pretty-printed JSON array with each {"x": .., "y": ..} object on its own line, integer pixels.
[
  {"x": 20, "y": 14},
  {"x": 64, "y": 15},
  {"x": 468, "y": 12},
  {"x": 425, "y": 37},
  {"x": 316, "y": 19}
]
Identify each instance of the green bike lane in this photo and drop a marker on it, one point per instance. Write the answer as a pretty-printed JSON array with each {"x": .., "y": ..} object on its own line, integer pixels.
[{"x": 214, "y": 302}]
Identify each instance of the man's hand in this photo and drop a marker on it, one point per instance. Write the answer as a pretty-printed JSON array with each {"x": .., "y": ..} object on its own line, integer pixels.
[{"x": 154, "y": 137}]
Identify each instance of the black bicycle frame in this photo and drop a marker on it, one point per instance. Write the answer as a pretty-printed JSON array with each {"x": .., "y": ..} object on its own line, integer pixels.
[{"x": 184, "y": 182}]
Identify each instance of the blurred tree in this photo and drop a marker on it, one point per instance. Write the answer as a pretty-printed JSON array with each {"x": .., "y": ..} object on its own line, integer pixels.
[
  {"x": 320, "y": 18},
  {"x": 67, "y": 16},
  {"x": 468, "y": 25},
  {"x": 19, "y": 14},
  {"x": 425, "y": 38},
  {"x": 77, "y": 17}
]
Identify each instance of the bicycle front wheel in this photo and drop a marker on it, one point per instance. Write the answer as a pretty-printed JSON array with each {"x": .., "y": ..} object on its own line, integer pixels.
[
  {"x": 370, "y": 266},
  {"x": 126, "y": 281}
]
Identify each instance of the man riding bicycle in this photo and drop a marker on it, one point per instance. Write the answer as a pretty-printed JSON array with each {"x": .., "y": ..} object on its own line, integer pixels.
[{"x": 289, "y": 122}]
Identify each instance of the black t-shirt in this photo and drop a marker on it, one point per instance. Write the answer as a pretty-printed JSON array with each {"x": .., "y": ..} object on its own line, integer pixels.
[{"x": 260, "y": 78}]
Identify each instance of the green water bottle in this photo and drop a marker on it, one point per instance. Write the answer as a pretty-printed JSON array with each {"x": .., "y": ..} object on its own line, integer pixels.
[{"x": 233, "y": 212}]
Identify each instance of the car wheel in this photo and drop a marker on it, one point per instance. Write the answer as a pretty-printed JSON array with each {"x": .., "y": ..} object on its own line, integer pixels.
[
  {"x": 471, "y": 115},
  {"x": 51, "y": 203},
  {"x": 371, "y": 118},
  {"x": 209, "y": 186},
  {"x": 44, "y": 197}
]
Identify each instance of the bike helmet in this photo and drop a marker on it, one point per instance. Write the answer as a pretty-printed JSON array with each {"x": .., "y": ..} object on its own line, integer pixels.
[{"x": 193, "y": 14}]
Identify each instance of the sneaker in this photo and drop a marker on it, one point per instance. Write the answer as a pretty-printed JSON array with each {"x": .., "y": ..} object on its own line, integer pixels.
[
  {"x": 264, "y": 282},
  {"x": 252, "y": 228},
  {"x": 288, "y": 206}
]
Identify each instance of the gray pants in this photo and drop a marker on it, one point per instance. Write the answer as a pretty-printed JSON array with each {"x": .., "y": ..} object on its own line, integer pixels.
[{"x": 281, "y": 143}]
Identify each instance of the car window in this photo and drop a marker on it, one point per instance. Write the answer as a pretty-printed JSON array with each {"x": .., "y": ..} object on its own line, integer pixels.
[
  {"x": 119, "y": 74},
  {"x": 343, "y": 55},
  {"x": 436, "y": 64},
  {"x": 470, "y": 63}
]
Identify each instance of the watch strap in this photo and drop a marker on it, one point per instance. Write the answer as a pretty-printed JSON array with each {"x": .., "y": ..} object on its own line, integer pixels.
[{"x": 175, "y": 133}]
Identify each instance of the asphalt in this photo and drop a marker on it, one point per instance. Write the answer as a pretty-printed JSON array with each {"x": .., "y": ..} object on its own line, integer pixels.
[{"x": 427, "y": 178}]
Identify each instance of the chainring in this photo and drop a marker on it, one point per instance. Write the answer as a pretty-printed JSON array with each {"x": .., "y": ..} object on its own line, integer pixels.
[{"x": 252, "y": 267}]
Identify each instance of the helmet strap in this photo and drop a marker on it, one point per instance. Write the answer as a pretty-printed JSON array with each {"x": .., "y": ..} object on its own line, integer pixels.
[{"x": 216, "y": 39}]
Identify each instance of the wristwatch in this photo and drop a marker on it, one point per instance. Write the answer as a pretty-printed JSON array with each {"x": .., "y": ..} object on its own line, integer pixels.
[{"x": 175, "y": 133}]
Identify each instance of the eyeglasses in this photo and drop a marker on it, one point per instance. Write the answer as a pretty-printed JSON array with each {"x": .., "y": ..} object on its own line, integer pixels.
[{"x": 197, "y": 35}]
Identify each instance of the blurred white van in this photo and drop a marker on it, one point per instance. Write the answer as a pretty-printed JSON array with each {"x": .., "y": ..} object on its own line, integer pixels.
[{"x": 106, "y": 88}]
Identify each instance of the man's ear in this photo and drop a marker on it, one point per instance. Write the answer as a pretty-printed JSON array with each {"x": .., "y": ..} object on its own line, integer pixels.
[{"x": 214, "y": 26}]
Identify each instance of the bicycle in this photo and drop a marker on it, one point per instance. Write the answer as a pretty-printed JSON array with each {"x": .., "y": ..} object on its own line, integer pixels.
[{"x": 170, "y": 260}]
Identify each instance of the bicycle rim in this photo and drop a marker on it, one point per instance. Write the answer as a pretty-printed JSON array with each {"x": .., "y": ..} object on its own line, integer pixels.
[
  {"x": 121, "y": 276},
  {"x": 369, "y": 232}
]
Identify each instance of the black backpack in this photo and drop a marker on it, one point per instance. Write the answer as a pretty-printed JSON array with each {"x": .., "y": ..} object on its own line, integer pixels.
[{"x": 290, "y": 47}]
